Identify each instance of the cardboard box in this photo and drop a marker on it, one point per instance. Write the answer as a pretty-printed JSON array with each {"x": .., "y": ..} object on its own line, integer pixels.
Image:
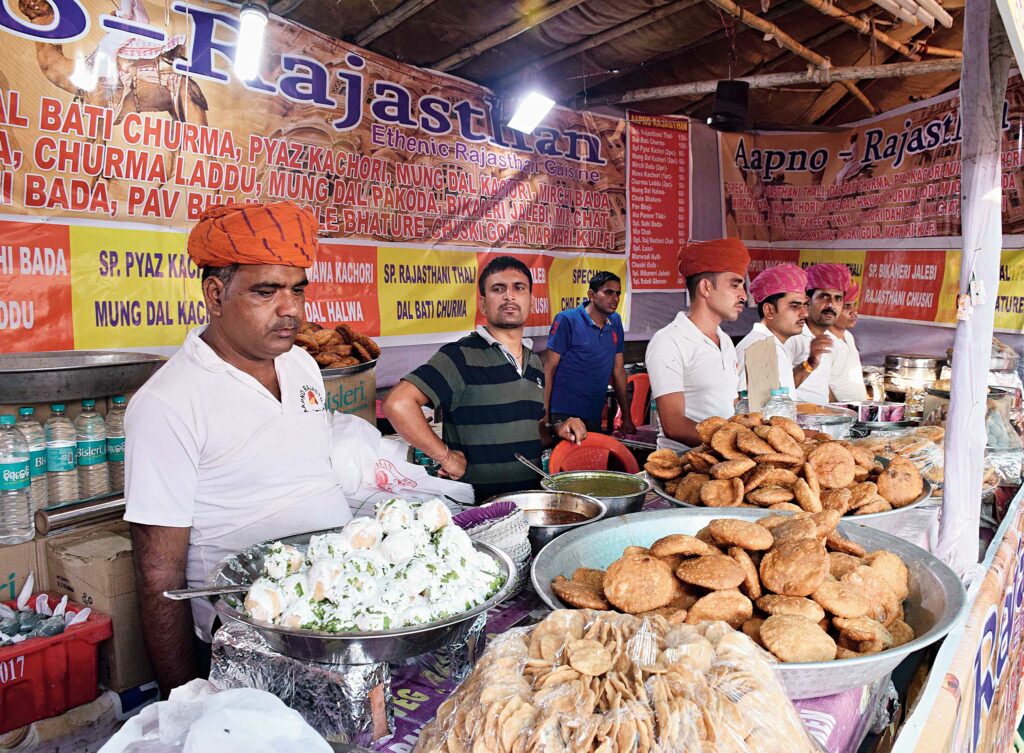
[
  {"x": 94, "y": 567},
  {"x": 16, "y": 562}
]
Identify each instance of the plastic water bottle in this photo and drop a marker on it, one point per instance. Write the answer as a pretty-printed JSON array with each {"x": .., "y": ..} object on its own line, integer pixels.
[
  {"x": 655, "y": 421},
  {"x": 743, "y": 406},
  {"x": 788, "y": 403},
  {"x": 35, "y": 437},
  {"x": 779, "y": 405},
  {"x": 91, "y": 439},
  {"x": 115, "y": 442},
  {"x": 16, "y": 522},
  {"x": 61, "y": 471}
]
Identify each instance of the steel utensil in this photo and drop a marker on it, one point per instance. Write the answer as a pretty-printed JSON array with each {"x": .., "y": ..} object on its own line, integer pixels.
[
  {"x": 184, "y": 594},
  {"x": 532, "y": 467}
]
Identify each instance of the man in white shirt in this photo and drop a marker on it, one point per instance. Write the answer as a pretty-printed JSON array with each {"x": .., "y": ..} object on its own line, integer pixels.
[
  {"x": 691, "y": 362},
  {"x": 781, "y": 296},
  {"x": 816, "y": 353},
  {"x": 228, "y": 444},
  {"x": 848, "y": 385}
]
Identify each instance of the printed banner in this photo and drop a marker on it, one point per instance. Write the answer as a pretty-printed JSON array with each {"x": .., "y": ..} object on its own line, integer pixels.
[
  {"x": 659, "y": 199},
  {"x": 896, "y": 176}
]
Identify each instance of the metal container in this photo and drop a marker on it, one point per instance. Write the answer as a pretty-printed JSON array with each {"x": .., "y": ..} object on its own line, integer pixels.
[
  {"x": 936, "y": 603},
  {"x": 838, "y": 424},
  {"x": 905, "y": 372},
  {"x": 62, "y": 376},
  {"x": 619, "y": 505},
  {"x": 367, "y": 647},
  {"x": 1004, "y": 363},
  {"x": 352, "y": 390},
  {"x": 535, "y": 504}
]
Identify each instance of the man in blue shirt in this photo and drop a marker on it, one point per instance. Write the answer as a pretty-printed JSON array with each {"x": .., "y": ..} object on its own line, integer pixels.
[{"x": 585, "y": 351}]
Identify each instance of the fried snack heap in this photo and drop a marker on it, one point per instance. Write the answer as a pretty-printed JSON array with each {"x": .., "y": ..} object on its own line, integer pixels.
[
  {"x": 747, "y": 462},
  {"x": 790, "y": 582},
  {"x": 338, "y": 347},
  {"x": 584, "y": 681}
]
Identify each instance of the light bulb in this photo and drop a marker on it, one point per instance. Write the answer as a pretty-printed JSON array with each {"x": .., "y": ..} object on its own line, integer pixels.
[
  {"x": 530, "y": 112},
  {"x": 252, "y": 23}
]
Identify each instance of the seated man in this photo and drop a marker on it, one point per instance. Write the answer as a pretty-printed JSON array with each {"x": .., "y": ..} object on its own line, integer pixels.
[
  {"x": 488, "y": 389},
  {"x": 228, "y": 444},
  {"x": 781, "y": 298},
  {"x": 816, "y": 352}
]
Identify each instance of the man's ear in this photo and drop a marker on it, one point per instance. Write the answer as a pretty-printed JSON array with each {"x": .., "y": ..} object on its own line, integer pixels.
[{"x": 213, "y": 293}]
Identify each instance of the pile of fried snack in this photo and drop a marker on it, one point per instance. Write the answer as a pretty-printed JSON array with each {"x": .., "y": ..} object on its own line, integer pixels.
[
  {"x": 775, "y": 464},
  {"x": 792, "y": 583},
  {"x": 585, "y": 681},
  {"x": 338, "y": 347}
]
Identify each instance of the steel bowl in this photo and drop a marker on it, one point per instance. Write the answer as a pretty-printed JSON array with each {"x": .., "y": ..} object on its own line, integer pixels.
[
  {"x": 619, "y": 505},
  {"x": 837, "y": 424},
  {"x": 369, "y": 647},
  {"x": 535, "y": 504},
  {"x": 62, "y": 376},
  {"x": 936, "y": 603}
]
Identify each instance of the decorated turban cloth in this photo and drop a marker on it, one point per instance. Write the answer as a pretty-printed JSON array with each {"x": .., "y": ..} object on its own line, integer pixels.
[
  {"x": 722, "y": 255},
  {"x": 280, "y": 233},
  {"x": 829, "y": 277},
  {"x": 784, "y": 278},
  {"x": 852, "y": 293}
]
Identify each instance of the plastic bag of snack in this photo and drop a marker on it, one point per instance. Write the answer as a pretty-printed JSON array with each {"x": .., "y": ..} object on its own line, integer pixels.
[{"x": 612, "y": 683}]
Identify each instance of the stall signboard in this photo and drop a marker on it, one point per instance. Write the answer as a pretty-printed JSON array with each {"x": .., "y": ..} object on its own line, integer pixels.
[
  {"x": 658, "y": 183},
  {"x": 118, "y": 129}
]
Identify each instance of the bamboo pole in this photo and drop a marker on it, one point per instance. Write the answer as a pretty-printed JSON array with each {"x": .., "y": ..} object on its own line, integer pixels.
[
  {"x": 387, "y": 22},
  {"x": 597, "y": 40},
  {"x": 501, "y": 36},
  {"x": 756, "y": 22},
  {"x": 769, "y": 80},
  {"x": 939, "y": 52},
  {"x": 862, "y": 26}
]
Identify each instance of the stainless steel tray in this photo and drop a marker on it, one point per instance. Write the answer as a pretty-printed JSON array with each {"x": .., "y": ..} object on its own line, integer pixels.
[
  {"x": 937, "y": 597},
  {"x": 60, "y": 376},
  {"x": 370, "y": 647}
]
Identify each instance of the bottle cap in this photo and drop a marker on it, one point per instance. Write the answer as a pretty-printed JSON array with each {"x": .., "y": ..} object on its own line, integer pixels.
[
  {"x": 784, "y": 390},
  {"x": 57, "y": 407},
  {"x": 26, "y": 411},
  {"x": 119, "y": 400},
  {"x": 776, "y": 393},
  {"x": 88, "y": 403},
  {"x": 743, "y": 393},
  {"x": 7, "y": 420}
]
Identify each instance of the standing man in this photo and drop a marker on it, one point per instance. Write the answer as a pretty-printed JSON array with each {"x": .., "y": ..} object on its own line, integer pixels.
[
  {"x": 228, "y": 444},
  {"x": 692, "y": 362},
  {"x": 488, "y": 389},
  {"x": 585, "y": 351},
  {"x": 781, "y": 297},
  {"x": 848, "y": 386},
  {"x": 814, "y": 353}
]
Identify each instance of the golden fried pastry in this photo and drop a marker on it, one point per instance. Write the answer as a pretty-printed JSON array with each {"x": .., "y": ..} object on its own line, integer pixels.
[
  {"x": 689, "y": 488},
  {"x": 837, "y": 543},
  {"x": 796, "y": 639},
  {"x": 806, "y": 497},
  {"x": 776, "y": 604},
  {"x": 901, "y": 633},
  {"x": 790, "y": 426},
  {"x": 681, "y": 544},
  {"x": 589, "y": 577},
  {"x": 836, "y": 499},
  {"x": 716, "y": 572},
  {"x": 783, "y": 442},
  {"x": 722, "y": 493},
  {"x": 729, "y": 606},
  {"x": 884, "y": 604},
  {"x": 706, "y": 429},
  {"x": 841, "y": 563},
  {"x": 795, "y": 567},
  {"x": 770, "y": 495},
  {"x": 578, "y": 594},
  {"x": 662, "y": 472},
  {"x": 900, "y": 483},
  {"x": 639, "y": 584},
  {"x": 751, "y": 585},
  {"x": 841, "y": 599},
  {"x": 742, "y": 533},
  {"x": 732, "y": 468},
  {"x": 724, "y": 441},
  {"x": 833, "y": 464},
  {"x": 890, "y": 567},
  {"x": 748, "y": 442}
]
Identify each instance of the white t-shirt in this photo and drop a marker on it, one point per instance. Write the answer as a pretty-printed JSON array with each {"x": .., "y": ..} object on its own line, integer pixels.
[
  {"x": 758, "y": 333},
  {"x": 210, "y": 448},
  {"x": 681, "y": 358},
  {"x": 848, "y": 379},
  {"x": 814, "y": 389}
]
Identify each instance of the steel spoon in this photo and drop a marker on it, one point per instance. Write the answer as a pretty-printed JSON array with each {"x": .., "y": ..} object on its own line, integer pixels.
[
  {"x": 530, "y": 465},
  {"x": 182, "y": 594}
]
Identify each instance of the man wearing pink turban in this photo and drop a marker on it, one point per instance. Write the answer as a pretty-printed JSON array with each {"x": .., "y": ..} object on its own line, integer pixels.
[
  {"x": 814, "y": 351},
  {"x": 780, "y": 293},
  {"x": 848, "y": 384}
]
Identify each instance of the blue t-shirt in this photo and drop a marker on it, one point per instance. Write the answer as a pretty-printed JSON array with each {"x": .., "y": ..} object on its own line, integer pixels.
[{"x": 587, "y": 358}]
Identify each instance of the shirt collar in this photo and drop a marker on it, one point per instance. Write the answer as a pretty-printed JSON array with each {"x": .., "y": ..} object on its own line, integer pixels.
[
  {"x": 762, "y": 328},
  {"x": 585, "y": 313},
  {"x": 690, "y": 331},
  {"x": 482, "y": 331}
]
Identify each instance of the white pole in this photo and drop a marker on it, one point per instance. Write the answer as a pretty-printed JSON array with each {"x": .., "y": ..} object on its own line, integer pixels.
[{"x": 982, "y": 90}]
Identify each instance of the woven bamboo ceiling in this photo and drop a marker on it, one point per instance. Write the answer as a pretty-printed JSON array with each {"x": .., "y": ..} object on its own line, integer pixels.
[{"x": 578, "y": 51}]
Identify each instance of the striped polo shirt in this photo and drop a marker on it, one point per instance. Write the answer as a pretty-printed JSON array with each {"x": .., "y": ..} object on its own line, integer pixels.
[{"x": 490, "y": 411}]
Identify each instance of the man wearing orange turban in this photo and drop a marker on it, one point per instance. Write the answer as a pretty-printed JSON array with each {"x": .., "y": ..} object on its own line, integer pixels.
[
  {"x": 228, "y": 444},
  {"x": 691, "y": 362}
]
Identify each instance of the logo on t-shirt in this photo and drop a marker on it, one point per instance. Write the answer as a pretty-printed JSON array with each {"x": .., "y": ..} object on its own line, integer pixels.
[{"x": 311, "y": 399}]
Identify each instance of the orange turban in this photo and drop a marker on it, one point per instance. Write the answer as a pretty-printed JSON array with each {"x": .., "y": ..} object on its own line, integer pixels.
[
  {"x": 281, "y": 233},
  {"x": 722, "y": 255}
]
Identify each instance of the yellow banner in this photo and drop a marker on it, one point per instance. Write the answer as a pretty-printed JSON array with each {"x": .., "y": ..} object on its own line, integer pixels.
[
  {"x": 423, "y": 292},
  {"x": 569, "y": 280}
]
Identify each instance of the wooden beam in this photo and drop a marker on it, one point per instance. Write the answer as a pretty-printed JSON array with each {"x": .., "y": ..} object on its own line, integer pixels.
[
  {"x": 635, "y": 24},
  {"x": 387, "y": 22},
  {"x": 771, "y": 80},
  {"x": 862, "y": 26},
  {"x": 501, "y": 36},
  {"x": 756, "y": 22}
]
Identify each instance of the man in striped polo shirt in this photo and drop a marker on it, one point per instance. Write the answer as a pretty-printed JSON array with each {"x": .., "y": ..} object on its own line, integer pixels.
[{"x": 488, "y": 389}]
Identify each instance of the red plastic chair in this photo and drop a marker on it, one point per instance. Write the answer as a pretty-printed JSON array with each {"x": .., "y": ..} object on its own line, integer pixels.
[
  {"x": 641, "y": 396},
  {"x": 594, "y": 454}
]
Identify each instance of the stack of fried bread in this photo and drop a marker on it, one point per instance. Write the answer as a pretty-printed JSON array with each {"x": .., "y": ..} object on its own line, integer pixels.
[{"x": 336, "y": 348}]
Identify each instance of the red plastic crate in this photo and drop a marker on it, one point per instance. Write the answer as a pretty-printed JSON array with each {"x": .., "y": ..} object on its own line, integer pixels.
[{"x": 45, "y": 677}]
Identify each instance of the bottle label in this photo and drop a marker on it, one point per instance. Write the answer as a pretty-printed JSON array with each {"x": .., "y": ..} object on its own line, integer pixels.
[
  {"x": 37, "y": 462},
  {"x": 92, "y": 452},
  {"x": 115, "y": 449},
  {"x": 60, "y": 457},
  {"x": 15, "y": 476}
]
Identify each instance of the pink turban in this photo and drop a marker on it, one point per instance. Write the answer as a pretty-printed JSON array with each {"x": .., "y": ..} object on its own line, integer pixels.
[
  {"x": 784, "y": 278},
  {"x": 829, "y": 277},
  {"x": 852, "y": 293}
]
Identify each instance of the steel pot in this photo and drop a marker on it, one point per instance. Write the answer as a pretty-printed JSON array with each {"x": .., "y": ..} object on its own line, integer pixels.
[
  {"x": 537, "y": 505},
  {"x": 579, "y": 481}
]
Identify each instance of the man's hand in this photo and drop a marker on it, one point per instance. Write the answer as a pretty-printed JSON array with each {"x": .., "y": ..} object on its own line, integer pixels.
[
  {"x": 572, "y": 430},
  {"x": 627, "y": 424},
  {"x": 820, "y": 346},
  {"x": 454, "y": 466}
]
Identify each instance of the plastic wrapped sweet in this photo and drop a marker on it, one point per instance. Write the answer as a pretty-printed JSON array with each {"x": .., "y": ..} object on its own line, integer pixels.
[
  {"x": 598, "y": 681},
  {"x": 407, "y": 565}
]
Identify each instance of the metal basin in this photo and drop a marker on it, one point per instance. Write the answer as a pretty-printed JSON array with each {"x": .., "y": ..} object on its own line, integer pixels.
[
  {"x": 542, "y": 511},
  {"x": 72, "y": 375},
  {"x": 589, "y": 482},
  {"x": 369, "y": 647},
  {"x": 936, "y": 603}
]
